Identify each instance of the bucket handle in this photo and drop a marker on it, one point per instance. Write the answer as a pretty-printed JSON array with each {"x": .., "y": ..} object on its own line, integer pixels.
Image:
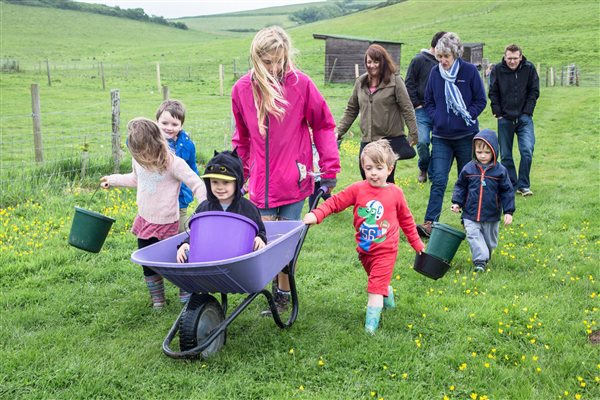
[{"x": 89, "y": 202}]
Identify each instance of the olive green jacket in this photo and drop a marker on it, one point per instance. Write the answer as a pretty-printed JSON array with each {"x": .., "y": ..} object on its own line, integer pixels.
[{"x": 382, "y": 113}]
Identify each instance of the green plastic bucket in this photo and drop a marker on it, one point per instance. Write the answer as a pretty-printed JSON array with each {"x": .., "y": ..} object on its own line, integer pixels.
[
  {"x": 89, "y": 230},
  {"x": 444, "y": 241}
]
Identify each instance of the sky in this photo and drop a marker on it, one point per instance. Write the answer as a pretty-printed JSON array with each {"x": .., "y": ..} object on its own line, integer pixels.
[{"x": 191, "y": 8}]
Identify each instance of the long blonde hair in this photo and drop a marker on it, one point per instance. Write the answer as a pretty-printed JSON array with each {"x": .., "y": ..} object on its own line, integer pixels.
[
  {"x": 267, "y": 89},
  {"x": 147, "y": 145}
]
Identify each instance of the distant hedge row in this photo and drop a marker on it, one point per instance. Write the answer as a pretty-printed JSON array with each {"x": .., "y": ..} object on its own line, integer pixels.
[
  {"x": 335, "y": 9},
  {"x": 137, "y": 14}
]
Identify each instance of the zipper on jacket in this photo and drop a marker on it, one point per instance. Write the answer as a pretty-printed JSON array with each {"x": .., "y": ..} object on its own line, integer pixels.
[
  {"x": 267, "y": 161},
  {"x": 481, "y": 186}
]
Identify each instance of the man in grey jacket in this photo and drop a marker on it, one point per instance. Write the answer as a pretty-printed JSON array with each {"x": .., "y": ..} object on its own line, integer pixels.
[
  {"x": 416, "y": 80},
  {"x": 514, "y": 90}
]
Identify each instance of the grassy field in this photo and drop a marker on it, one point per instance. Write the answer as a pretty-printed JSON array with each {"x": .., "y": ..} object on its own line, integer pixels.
[{"x": 77, "y": 325}]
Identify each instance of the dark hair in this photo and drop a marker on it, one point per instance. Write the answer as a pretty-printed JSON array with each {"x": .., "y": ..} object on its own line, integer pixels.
[
  {"x": 512, "y": 48},
  {"x": 386, "y": 64},
  {"x": 436, "y": 37},
  {"x": 173, "y": 107}
]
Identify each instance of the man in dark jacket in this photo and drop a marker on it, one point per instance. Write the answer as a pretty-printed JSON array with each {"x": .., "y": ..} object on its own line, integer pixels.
[
  {"x": 514, "y": 90},
  {"x": 416, "y": 80}
]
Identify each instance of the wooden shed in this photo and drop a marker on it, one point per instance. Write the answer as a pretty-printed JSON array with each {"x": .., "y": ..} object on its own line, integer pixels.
[
  {"x": 343, "y": 53},
  {"x": 473, "y": 53}
]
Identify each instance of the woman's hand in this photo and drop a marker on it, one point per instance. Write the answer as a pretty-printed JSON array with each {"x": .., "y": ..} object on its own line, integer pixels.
[
  {"x": 258, "y": 243},
  {"x": 310, "y": 219},
  {"x": 507, "y": 219},
  {"x": 182, "y": 252}
]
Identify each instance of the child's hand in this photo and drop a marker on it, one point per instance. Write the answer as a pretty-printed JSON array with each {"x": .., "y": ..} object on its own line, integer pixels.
[
  {"x": 182, "y": 252},
  {"x": 104, "y": 182},
  {"x": 455, "y": 208},
  {"x": 310, "y": 219},
  {"x": 258, "y": 243},
  {"x": 507, "y": 219}
]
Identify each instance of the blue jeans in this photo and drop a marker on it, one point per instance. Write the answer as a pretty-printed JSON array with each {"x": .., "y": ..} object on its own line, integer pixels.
[
  {"x": 290, "y": 212},
  {"x": 523, "y": 127},
  {"x": 424, "y": 126},
  {"x": 443, "y": 153}
]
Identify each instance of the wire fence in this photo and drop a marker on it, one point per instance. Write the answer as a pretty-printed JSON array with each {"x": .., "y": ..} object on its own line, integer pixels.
[{"x": 76, "y": 116}]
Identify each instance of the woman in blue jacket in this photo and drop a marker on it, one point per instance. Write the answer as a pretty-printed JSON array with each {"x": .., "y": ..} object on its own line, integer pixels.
[{"x": 454, "y": 98}]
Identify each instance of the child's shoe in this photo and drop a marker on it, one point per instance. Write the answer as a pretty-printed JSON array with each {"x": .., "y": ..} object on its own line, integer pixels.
[
  {"x": 480, "y": 267},
  {"x": 389, "y": 302},
  {"x": 372, "y": 319},
  {"x": 184, "y": 296},
  {"x": 156, "y": 288},
  {"x": 282, "y": 302}
]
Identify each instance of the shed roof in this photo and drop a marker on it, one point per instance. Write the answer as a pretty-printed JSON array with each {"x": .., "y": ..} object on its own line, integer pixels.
[{"x": 324, "y": 37}]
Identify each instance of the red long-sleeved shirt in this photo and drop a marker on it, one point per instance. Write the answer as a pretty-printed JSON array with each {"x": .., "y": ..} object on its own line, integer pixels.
[{"x": 379, "y": 214}]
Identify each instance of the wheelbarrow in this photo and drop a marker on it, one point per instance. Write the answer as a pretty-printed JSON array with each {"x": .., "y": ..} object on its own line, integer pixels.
[{"x": 203, "y": 321}]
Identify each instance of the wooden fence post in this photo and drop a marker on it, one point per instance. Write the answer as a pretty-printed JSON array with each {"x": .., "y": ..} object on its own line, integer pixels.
[
  {"x": 48, "y": 72},
  {"x": 234, "y": 69},
  {"x": 356, "y": 71},
  {"x": 551, "y": 76},
  {"x": 37, "y": 122},
  {"x": 158, "y": 85},
  {"x": 116, "y": 119},
  {"x": 102, "y": 75},
  {"x": 165, "y": 92},
  {"x": 221, "y": 78}
]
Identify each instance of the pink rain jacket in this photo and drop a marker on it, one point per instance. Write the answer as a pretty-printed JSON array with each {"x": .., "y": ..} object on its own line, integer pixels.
[{"x": 280, "y": 163}]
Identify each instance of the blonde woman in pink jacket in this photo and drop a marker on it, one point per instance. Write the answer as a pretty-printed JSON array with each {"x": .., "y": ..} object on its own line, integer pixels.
[{"x": 276, "y": 107}]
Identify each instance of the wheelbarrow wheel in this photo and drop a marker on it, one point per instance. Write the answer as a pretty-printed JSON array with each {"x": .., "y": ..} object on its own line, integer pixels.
[{"x": 201, "y": 316}]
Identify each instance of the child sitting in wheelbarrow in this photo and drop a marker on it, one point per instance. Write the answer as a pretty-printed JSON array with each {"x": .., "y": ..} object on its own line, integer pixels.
[
  {"x": 380, "y": 211},
  {"x": 224, "y": 180}
]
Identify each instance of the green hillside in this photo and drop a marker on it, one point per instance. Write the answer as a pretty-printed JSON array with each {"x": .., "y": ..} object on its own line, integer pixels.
[
  {"x": 76, "y": 325},
  {"x": 248, "y": 21}
]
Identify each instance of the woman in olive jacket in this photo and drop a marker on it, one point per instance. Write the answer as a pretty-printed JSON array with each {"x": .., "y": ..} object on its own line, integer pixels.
[{"x": 381, "y": 98}]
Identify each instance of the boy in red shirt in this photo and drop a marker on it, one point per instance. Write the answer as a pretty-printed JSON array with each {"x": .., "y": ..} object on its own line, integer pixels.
[{"x": 380, "y": 211}]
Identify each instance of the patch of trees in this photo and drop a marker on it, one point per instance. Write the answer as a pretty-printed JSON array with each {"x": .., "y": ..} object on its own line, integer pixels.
[
  {"x": 335, "y": 9},
  {"x": 137, "y": 14}
]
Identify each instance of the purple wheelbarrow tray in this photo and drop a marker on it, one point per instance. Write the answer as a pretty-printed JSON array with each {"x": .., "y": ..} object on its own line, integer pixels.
[
  {"x": 243, "y": 274},
  {"x": 203, "y": 318}
]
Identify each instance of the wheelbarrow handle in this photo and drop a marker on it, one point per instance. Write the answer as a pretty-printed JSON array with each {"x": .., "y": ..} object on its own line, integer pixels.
[{"x": 322, "y": 191}]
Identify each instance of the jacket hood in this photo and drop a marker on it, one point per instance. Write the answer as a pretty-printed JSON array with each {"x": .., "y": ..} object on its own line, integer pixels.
[
  {"x": 490, "y": 138},
  {"x": 227, "y": 164}
]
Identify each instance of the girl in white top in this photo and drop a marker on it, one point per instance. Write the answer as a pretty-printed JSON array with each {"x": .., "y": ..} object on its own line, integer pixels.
[{"x": 157, "y": 173}]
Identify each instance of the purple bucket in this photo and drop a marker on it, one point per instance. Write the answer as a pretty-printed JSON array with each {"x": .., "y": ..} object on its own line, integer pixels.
[{"x": 219, "y": 235}]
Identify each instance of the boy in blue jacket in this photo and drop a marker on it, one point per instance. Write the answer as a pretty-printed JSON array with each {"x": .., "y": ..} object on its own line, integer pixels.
[
  {"x": 483, "y": 190},
  {"x": 170, "y": 117}
]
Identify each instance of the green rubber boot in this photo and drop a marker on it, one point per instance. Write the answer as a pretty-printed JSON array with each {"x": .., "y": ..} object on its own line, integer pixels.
[
  {"x": 372, "y": 319},
  {"x": 389, "y": 302}
]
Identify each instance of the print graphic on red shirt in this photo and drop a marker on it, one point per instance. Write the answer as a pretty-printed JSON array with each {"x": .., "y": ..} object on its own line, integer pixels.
[{"x": 370, "y": 230}]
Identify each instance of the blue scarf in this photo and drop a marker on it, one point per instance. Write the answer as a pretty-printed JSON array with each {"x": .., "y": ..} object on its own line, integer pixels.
[{"x": 454, "y": 100}]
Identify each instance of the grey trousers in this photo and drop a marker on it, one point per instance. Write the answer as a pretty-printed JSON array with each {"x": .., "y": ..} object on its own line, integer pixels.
[{"x": 482, "y": 238}]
